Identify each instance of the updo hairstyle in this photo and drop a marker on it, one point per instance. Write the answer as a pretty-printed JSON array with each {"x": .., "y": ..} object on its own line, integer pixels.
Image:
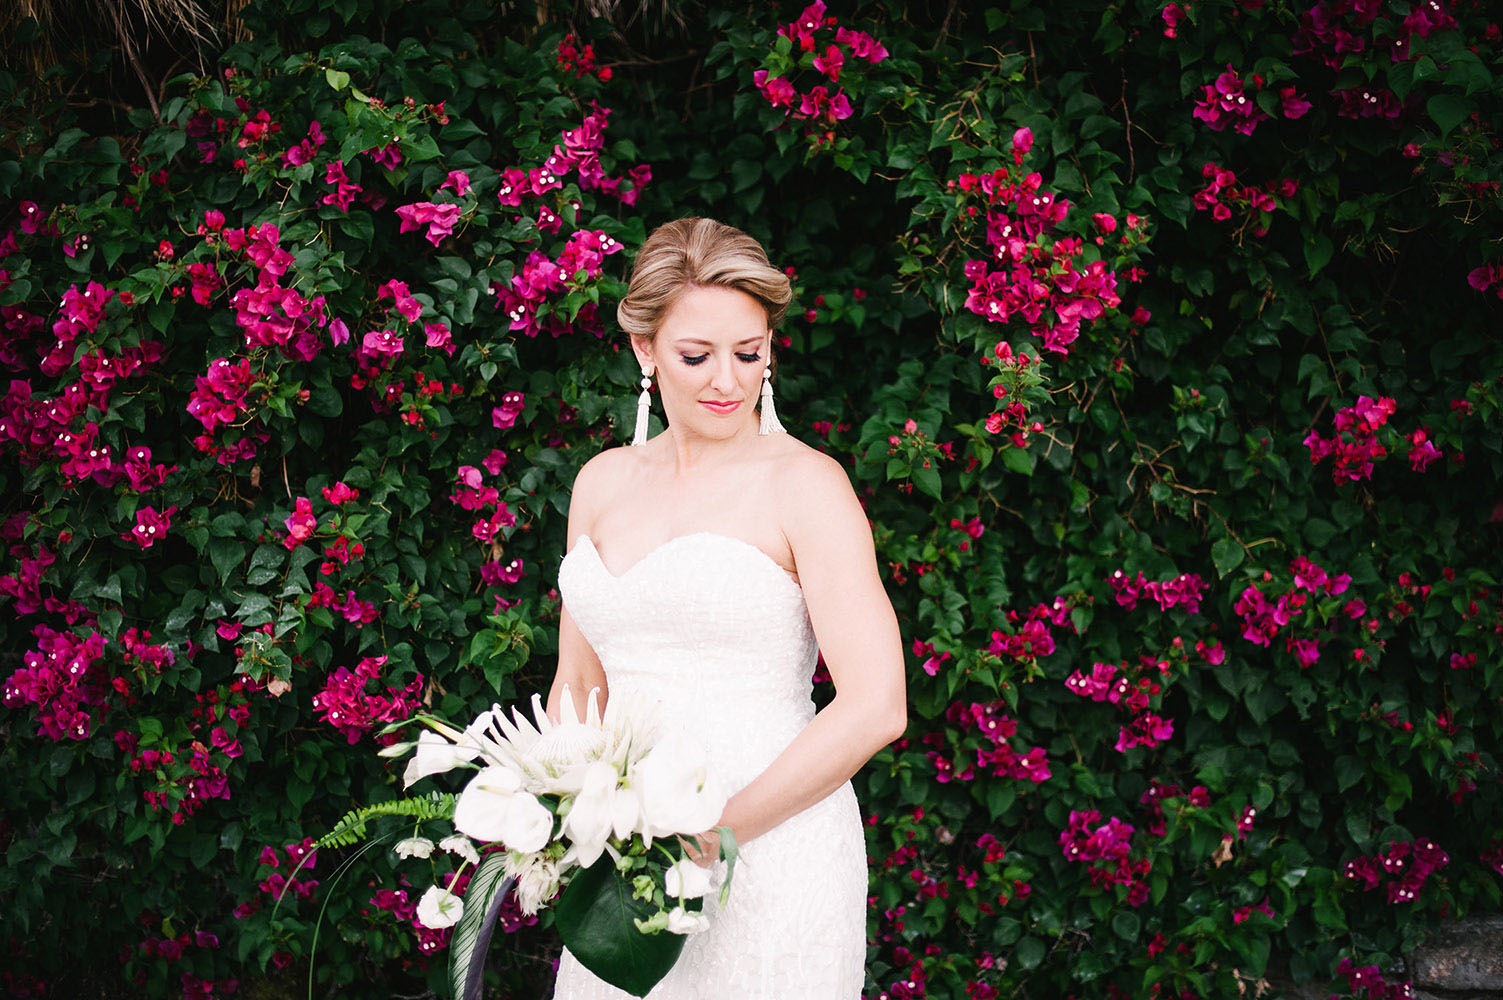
[{"x": 695, "y": 251}]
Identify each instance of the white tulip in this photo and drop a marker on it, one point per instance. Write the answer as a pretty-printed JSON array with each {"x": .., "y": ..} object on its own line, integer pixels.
[
  {"x": 493, "y": 808},
  {"x": 414, "y": 847},
  {"x": 675, "y": 789},
  {"x": 439, "y": 908},
  {"x": 687, "y": 880},
  {"x": 681, "y": 921}
]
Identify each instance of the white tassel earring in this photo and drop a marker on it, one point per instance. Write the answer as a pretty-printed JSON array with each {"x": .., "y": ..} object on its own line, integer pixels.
[
  {"x": 639, "y": 433},
  {"x": 770, "y": 424}
]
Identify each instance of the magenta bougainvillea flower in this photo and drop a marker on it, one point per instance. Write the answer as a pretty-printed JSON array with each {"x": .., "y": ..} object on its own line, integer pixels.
[
  {"x": 339, "y": 493},
  {"x": 345, "y": 189},
  {"x": 345, "y": 705},
  {"x": 437, "y": 335},
  {"x": 151, "y": 526},
  {"x": 1355, "y": 445},
  {"x": 505, "y": 416},
  {"x": 458, "y": 181},
  {"x": 439, "y": 219},
  {"x": 301, "y": 525},
  {"x": 408, "y": 307}
]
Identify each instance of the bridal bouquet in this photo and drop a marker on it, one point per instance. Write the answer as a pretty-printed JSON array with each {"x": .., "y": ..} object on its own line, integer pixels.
[{"x": 588, "y": 806}]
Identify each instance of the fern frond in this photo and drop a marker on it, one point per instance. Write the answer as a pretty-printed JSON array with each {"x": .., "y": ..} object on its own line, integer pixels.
[{"x": 351, "y": 828}]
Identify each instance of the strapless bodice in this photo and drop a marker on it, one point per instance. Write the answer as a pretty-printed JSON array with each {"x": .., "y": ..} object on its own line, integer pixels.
[{"x": 713, "y": 629}]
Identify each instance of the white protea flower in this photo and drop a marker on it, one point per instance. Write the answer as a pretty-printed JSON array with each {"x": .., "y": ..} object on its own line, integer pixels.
[
  {"x": 414, "y": 847},
  {"x": 551, "y": 757},
  {"x": 461, "y": 845},
  {"x": 439, "y": 908}
]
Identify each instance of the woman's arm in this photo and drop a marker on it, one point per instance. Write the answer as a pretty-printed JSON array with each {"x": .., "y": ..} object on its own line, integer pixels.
[
  {"x": 858, "y": 634},
  {"x": 578, "y": 666}
]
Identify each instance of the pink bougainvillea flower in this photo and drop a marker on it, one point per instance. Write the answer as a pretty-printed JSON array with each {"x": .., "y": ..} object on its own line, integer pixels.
[
  {"x": 410, "y": 308},
  {"x": 301, "y": 524},
  {"x": 229, "y": 630},
  {"x": 495, "y": 461},
  {"x": 438, "y": 335},
  {"x": 439, "y": 219},
  {"x": 339, "y": 332},
  {"x": 1022, "y": 142},
  {"x": 513, "y": 187},
  {"x": 829, "y": 62},
  {"x": 339, "y": 493},
  {"x": 345, "y": 189},
  {"x": 1173, "y": 16},
  {"x": 778, "y": 92},
  {"x": 505, "y": 416},
  {"x": 389, "y": 155},
  {"x": 381, "y": 345},
  {"x": 863, "y": 46},
  {"x": 151, "y": 526},
  {"x": 457, "y": 180},
  {"x": 1292, "y": 103},
  {"x": 1422, "y": 450}
]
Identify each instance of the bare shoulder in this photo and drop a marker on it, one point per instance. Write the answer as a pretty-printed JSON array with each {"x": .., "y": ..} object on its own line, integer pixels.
[
  {"x": 597, "y": 481},
  {"x": 815, "y": 492}
]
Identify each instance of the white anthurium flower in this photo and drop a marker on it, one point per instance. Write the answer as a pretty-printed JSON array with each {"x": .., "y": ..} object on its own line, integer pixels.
[
  {"x": 682, "y": 921},
  {"x": 687, "y": 880},
  {"x": 675, "y": 788},
  {"x": 590, "y": 817},
  {"x": 459, "y": 844},
  {"x": 494, "y": 807},
  {"x": 436, "y": 755},
  {"x": 414, "y": 847},
  {"x": 439, "y": 908}
]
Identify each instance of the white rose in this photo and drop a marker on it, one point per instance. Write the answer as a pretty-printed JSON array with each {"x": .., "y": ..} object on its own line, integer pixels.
[
  {"x": 439, "y": 908},
  {"x": 681, "y": 921},
  {"x": 493, "y": 808},
  {"x": 685, "y": 879},
  {"x": 414, "y": 847},
  {"x": 460, "y": 844},
  {"x": 675, "y": 789}
]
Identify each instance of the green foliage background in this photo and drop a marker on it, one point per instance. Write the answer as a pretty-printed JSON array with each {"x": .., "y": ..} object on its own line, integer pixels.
[{"x": 1170, "y": 443}]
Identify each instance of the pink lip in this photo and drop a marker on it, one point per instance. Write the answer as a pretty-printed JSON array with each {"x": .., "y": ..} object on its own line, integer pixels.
[{"x": 726, "y": 407}]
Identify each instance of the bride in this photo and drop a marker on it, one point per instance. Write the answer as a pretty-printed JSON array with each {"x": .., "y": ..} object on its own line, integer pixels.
[{"x": 708, "y": 567}]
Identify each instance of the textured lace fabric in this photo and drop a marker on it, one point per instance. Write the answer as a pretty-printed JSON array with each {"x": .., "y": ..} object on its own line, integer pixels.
[{"x": 715, "y": 630}]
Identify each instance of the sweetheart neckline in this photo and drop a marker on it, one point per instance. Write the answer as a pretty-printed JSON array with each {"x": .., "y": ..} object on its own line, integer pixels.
[{"x": 769, "y": 560}]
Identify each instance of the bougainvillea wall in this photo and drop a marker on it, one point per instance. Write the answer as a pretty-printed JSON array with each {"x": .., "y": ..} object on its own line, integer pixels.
[{"x": 1160, "y": 341}]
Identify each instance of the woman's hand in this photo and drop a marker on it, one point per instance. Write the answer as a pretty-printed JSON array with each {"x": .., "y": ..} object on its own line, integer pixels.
[{"x": 703, "y": 849}]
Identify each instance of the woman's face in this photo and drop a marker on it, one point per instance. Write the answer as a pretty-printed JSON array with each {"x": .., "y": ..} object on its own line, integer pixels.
[{"x": 708, "y": 358}]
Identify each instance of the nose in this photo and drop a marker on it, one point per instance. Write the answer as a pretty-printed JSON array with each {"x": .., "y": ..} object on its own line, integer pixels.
[{"x": 724, "y": 382}]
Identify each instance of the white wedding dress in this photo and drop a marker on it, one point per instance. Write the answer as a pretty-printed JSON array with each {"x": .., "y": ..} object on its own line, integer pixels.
[{"x": 718, "y": 632}]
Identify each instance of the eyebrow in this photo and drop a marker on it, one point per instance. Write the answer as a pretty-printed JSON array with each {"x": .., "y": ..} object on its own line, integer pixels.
[{"x": 706, "y": 343}]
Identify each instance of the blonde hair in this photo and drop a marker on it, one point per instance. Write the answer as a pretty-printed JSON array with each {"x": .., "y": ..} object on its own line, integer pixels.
[{"x": 696, "y": 251}]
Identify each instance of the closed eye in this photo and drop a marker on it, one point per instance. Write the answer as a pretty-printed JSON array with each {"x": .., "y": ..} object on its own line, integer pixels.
[{"x": 695, "y": 359}]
